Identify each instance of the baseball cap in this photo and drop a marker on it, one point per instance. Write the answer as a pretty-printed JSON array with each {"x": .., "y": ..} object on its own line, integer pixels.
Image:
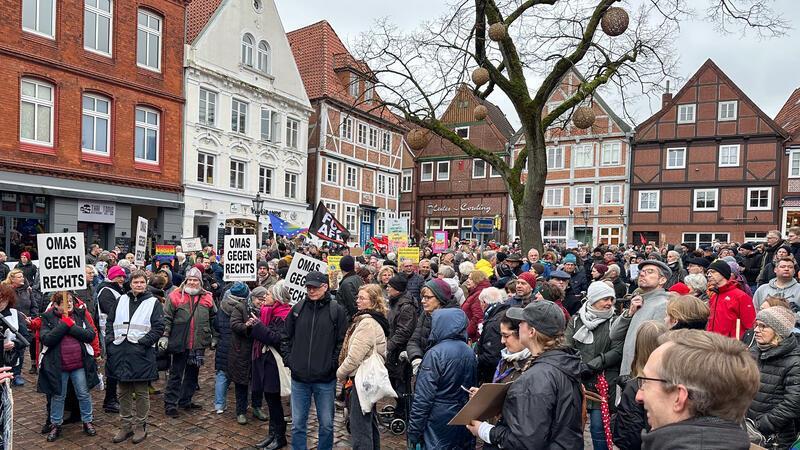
[
  {"x": 316, "y": 279},
  {"x": 543, "y": 315}
]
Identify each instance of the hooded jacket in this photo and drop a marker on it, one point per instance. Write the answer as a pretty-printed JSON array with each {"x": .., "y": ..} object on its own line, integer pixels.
[
  {"x": 239, "y": 361},
  {"x": 222, "y": 328},
  {"x": 727, "y": 305},
  {"x": 472, "y": 308},
  {"x": 26, "y": 301},
  {"x": 402, "y": 321},
  {"x": 419, "y": 340},
  {"x": 52, "y": 333},
  {"x": 697, "y": 433},
  {"x": 489, "y": 344},
  {"x": 129, "y": 362},
  {"x": 348, "y": 290}
]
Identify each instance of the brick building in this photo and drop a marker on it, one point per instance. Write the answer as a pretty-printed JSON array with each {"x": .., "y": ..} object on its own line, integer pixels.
[
  {"x": 452, "y": 188},
  {"x": 587, "y": 172},
  {"x": 355, "y": 145},
  {"x": 789, "y": 118},
  {"x": 707, "y": 166},
  {"x": 90, "y": 134}
]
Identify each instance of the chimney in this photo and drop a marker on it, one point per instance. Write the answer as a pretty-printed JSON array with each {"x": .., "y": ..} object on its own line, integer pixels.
[{"x": 666, "y": 97}]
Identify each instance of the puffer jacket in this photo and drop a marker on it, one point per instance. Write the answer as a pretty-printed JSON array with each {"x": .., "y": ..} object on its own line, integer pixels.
[
  {"x": 489, "y": 345},
  {"x": 402, "y": 321},
  {"x": 727, "y": 305},
  {"x": 239, "y": 361},
  {"x": 365, "y": 337},
  {"x": 418, "y": 343},
  {"x": 776, "y": 406},
  {"x": 222, "y": 327},
  {"x": 414, "y": 286},
  {"x": 188, "y": 330},
  {"x": 129, "y": 362},
  {"x": 28, "y": 270},
  {"x": 542, "y": 409},
  {"x": 485, "y": 267},
  {"x": 472, "y": 308},
  {"x": 52, "y": 333},
  {"x": 438, "y": 396},
  {"x": 27, "y": 302},
  {"x": 697, "y": 433}
]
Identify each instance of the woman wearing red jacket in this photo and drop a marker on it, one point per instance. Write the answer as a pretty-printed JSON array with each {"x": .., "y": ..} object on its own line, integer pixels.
[
  {"x": 728, "y": 303},
  {"x": 476, "y": 283}
]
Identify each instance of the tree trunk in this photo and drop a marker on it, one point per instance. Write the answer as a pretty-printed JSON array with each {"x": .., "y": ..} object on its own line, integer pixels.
[{"x": 528, "y": 203}]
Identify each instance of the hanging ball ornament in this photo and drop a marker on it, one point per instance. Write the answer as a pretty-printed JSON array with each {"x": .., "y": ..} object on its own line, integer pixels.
[
  {"x": 480, "y": 112},
  {"x": 583, "y": 117},
  {"x": 417, "y": 139},
  {"x": 614, "y": 21},
  {"x": 497, "y": 31},
  {"x": 480, "y": 76}
]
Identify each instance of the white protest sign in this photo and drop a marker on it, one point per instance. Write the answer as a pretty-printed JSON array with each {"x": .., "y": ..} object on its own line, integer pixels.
[
  {"x": 296, "y": 276},
  {"x": 240, "y": 257},
  {"x": 191, "y": 245},
  {"x": 62, "y": 261},
  {"x": 141, "y": 242}
]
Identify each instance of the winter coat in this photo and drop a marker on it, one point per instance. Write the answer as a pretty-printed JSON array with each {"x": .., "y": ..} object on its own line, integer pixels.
[
  {"x": 752, "y": 267},
  {"x": 418, "y": 343},
  {"x": 239, "y": 361},
  {"x": 575, "y": 291},
  {"x": 603, "y": 355},
  {"x": 53, "y": 331},
  {"x": 728, "y": 305},
  {"x": 630, "y": 419},
  {"x": 489, "y": 345},
  {"x": 187, "y": 321},
  {"x": 367, "y": 337},
  {"x": 542, "y": 409},
  {"x": 265, "y": 375},
  {"x": 106, "y": 298},
  {"x": 438, "y": 396},
  {"x": 87, "y": 297},
  {"x": 472, "y": 308},
  {"x": 222, "y": 329},
  {"x": 348, "y": 290},
  {"x": 776, "y": 406},
  {"x": 620, "y": 288},
  {"x": 28, "y": 270},
  {"x": 677, "y": 275},
  {"x": 414, "y": 286},
  {"x": 4, "y": 270},
  {"x": 313, "y": 339},
  {"x": 402, "y": 321},
  {"x": 697, "y": 433},
  {"x": 654, "y": 307},
  {"x": 128, "y": 362},
  {"x": 27, "y": 301},
  {"x": 766, "y": 258},
  {"x": 790, "y": 293}
]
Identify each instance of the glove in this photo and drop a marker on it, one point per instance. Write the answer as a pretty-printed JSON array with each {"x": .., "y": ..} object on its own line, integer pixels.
[
  {"x": 403, "y": 356},
  {"x": 68, "y": 320},
  {"x": 163, "y": 342},
  {"x": 214, "y": 342},
  {"x": 415, "y": 366}
]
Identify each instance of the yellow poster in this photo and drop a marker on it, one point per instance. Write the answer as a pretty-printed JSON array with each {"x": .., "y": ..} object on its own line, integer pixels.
[{"x": 411, "y": 253}]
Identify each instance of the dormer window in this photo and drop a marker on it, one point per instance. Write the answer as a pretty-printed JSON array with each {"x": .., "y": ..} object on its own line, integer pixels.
[
  {"x": 352, "y": 88},
  {"x": 462, "y": 132}
]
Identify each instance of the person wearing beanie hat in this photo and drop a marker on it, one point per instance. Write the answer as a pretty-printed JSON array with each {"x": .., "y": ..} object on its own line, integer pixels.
[
  {"x": 349, "y": 286},
  {"x": 398, "y": 282},
  {"x": 777, "y": 354},
  {"x": 436, "y": 294},
  {"x": 402, "y": 317},
  {"x": 598, "y": 271},
  {"x": 722, "y": 268},
  {"x": 680, "y": 288},
  {"x": 26, "y": 266},
  {"x": 576, "y": 288},
  {"x": 732, "y": 310}
]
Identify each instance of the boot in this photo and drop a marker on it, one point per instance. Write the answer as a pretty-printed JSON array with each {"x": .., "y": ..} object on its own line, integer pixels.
[
  {"x": 55, "y": 433},
  {"x": 139, "y": 433},
  {"x": 270, "y": 437},
  {"x": 33, "y": 370},
  {"x": 279, "y": 442},
  {"x": 123, "y": 434}
]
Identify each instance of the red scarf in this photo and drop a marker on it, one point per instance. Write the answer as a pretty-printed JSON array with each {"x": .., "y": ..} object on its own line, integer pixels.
[{"x": 277, "y": 309}]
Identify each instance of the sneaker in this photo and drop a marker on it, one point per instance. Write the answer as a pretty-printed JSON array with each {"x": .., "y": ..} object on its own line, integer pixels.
[
  {"x": 19, "y": 381},
  {"x": 258, "y": 413},
  {"x": 55, "y": 433},
  {"x": 171, "y": 412},
  {"x": 47, "y": 426},
  {"x": 219, "y": 410},
  {"x": 111, "y": 407},
  {"x": 241, "y": 419}
]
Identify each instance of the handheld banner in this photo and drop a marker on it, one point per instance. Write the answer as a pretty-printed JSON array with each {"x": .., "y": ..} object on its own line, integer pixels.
[
  {"x": 241, "y": 257},
  {"x": 62, "y": 261}
]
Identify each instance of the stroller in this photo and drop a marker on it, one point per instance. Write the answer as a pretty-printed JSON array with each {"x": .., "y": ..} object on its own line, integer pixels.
[{"x": 386, "y": 416}]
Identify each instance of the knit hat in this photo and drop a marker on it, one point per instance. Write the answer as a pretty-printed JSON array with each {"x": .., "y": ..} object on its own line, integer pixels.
[
  {"x": 501, "y": 257},
  {"x": 441, "y": 290},
  {"x": 570, "y": 258},
  {"x": 115, "y": 272},
  {"x": 528, "y": 278},
  {"x": 26, "y": 255},
  {"x": 263, "y": 264},
  {"x": 239, "y": 289},
  {"x": 680, "y": 288},
  {"x": 598, "y": 291},
  {"x": 347, "y": 264},
  {"x": 722, "y": 268},
  {"x": 779, "y": 318},
  {"x": 600, "y": 268},
  {"x": 194, "y": 272},
  {"x": 398, "y": 282}
]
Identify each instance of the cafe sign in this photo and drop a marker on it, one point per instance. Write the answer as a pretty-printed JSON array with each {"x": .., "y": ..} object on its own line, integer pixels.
[{"x": 464, "y": 207}]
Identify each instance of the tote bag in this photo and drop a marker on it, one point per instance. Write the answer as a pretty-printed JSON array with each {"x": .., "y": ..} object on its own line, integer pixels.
[
  {"x": 284, "y": 374},
  {"x": 372, "y": 382}
]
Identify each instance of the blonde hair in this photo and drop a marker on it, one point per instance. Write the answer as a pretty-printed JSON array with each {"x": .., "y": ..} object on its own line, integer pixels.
[
  {"x": 376, "y": 295},
  {"x": 11, "y": 275},
  {"x": 385, "y": 269},
  {"x": 646, "y": 342},
  {"x": 477, "y": 276},
  {"x": 687, "y": 308}
]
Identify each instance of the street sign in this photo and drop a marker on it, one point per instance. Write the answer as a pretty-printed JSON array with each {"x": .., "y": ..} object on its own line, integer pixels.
[{"x": 482, "y": 225}]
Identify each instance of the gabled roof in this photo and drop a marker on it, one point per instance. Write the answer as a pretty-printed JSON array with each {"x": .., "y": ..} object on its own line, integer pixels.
[
  {"x": 789, "y": 115},
  {"x": 599, "y": 99},
  {"x": 495, "y": 115},
  {"x": 198, "y": 14}
]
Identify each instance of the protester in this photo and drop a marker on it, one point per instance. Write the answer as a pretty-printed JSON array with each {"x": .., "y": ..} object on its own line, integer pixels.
[
  {"x": 784, "y": 285},
  {"x": 732, "y": 311},
  {"x": 108, "y": 294},
  {"x": 223, "y": 346},
  {"x": 774, "y": 242},
  {"x": 613, "y": 275},
  {"x": 514, "y": 356},
  {"x": 243, "y": 318},
  {"x": 523, "y": 290},
  {"x": 402, "y": 318},
  {"x": 576, "y": 289},
  {"x": 384, "y": 275},
  {"x": 29, "y": 271},
  {"x": 687, "y": 311},
  {"x": 697, "y": 284},
  {"x": 476, "y": 283},
  {"x": 678, "y": 273},
  {"x": 27, "y": 306},
  {"x": 415, "y": 281},
  {"x": 436, "y": 294},
  {"x": 490, "y": 344},
  {"x": 449, "y": 276},
  {"x": 348, "y": 287}
]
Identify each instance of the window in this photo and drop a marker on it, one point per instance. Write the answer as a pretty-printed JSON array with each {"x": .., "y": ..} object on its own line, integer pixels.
[
  {"x": 351, "y": 177},
  {"x": 380, "y": 184},
  {"x": 648, "y": 201},
  {"x": 290, "y": 185},
  {"x": 263, "y": 57},
  {"x": 386, "y": 142},
  {"x": 610, "y": 235},
  {"x": 380, "y": 223},
  {"x": 583, "y": 195},
  {"x": 205, "y": 168},
  {"x": 759, "y": 198},
  {"x": 95, "y": 124},
  {"x": 39, "y": 16},
  {"x": 478, "y": 168},
  {"x": 350, "y": 217},
  {"x": 676, "y": 158},
  {"x": 686, "y": 113},
  {"x": 147, "y": 129},
  {"x": 427, "y": 171},
  {"x": 407, "y": 180},
  {"x": 208, "y": 107},
  {"x": 555, "y": 158},
  {"x": 698, "y": 239},
  {"x": 36, "y": 112},
  {"x": 392, "y": 186},
  {"x": 238, "y": 169},
  {"x": 554, "y": 230},
  {"x": 266, "y": 124},
  {"x": 493, "y": 173},
  {"x": 332, "y": 172},
  {"x": 148, "y": 41},
  {"x": 794, "y": 163},
  {"x": 369, "y": 90},
  {"x": 405, "y": 215},
  {"x": 612, "y": 194},
  {"x": 292, "y": 132},
  {"x": 462, "y": 132},
  {"x": 97, "y": 23},
  {"x": 727, "y": 110},
  {"x": 265, "y": 180},
  {"x": 238, "y": 116},
  {"x": 247, "y": 49},
  {"x": 362, "y": 133},
  {"x": 332, "y": 208},
  {"x": 553, "y": 197},
  {"x": 705, "y": 199},
  {"x": 346, "y": 129},
  {"x": 275, "y": 134},
  {"x": 373, "y": 137},
  {"x": 755, "y": 236},
  {"x": 729, "y": 155},
  {"x": 611, "y": 154},
  {"x": 442, "y": 170},
  {"x": 584, "y": 155},
  {"x": 352, "y": 88}
]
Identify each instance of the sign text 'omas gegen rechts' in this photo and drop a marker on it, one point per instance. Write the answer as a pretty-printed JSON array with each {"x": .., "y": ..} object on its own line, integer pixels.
[
  {"x": 296, "y": 276},
  {"x": 62, "y": 261},
  {"x": 240, "y": 257}
]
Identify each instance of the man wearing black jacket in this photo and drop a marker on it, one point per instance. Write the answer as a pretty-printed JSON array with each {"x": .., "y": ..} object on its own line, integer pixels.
[
  {"x": 348, "y": 288},
  {"x": 312, "y": 340}
]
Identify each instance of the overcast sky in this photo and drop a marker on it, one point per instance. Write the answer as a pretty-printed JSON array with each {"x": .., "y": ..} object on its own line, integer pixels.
[{"x": 766, "y": 70}]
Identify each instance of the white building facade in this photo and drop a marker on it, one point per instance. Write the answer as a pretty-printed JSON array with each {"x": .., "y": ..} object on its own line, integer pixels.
[{"x": 246, "y": 122}]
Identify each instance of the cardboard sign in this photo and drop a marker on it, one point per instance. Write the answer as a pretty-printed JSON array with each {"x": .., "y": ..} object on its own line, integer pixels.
[
  {"x": 333, "y": 262},
  {"x": 241, "y": 257},
  {"x": 411, "y": 253},
  {"x": 439, "y": 241},
  {"x": 485, "y": 404},
  {"x": 62, "y": 261},
  {"x": 296, "y": 276},
  {"x": 191, "y": 245},
  {"x": 397, "y": 230},
  {"x": 141, "y": 241},
  {"x": 572, "y": 243},
  {"x": 165, "y": 250}
]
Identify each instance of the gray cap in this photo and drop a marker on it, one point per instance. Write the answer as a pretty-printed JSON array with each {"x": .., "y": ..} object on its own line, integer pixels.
[
  {"x": 560, "y": 275},
  {"x": 316, "y": 279},
  {"x": 543, "y": 315},
  {"x": 662, "y": 266}
]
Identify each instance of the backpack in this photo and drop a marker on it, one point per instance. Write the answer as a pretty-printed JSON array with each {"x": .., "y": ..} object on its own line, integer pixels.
[{"x": 334, "y": 311}]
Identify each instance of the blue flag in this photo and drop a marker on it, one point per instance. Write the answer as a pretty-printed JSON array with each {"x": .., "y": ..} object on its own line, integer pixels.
[{"x": 284, "y": 228}]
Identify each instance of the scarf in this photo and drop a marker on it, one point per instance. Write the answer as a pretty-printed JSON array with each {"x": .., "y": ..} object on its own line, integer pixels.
[
  {"x": 268, "y": 313},
  {"x": 518, "y": 356},
  {"x": 591, "y": 319}
]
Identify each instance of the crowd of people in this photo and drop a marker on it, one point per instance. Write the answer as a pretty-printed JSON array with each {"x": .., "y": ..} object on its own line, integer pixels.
[{"x": 673, "y": 347}]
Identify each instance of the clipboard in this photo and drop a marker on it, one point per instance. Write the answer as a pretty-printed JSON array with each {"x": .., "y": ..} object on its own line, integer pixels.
[{"x": 485, "y": 404}]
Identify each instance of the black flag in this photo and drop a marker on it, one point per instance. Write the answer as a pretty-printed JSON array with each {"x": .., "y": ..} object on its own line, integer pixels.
[{"x": 327, "y": 228}]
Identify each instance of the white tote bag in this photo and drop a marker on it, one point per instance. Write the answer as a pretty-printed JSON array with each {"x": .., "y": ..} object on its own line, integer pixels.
[
  {"x": 284, "y": 374},
  {"x": 372, "y": 382}
]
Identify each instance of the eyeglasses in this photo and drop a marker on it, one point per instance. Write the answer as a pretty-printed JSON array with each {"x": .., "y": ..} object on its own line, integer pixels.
[
  {"x": 761, "y": 326},
  {"x": 649, "y": 271},
  {"x": 428, "y": 297},
  {"x": 507, "y": 335},
  {"x": 640, "y": 381}
]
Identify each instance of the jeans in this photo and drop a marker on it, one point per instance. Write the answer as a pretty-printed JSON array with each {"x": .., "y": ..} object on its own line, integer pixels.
[
  {"x": 221, "y": 384},
  {"x": 182, "y": 382},
  {"x": 596, "y": 429},
  {"x": 363, "y": 427},
  {"x": 78, "y": 378},
  {"x": 131, "y": 418},
  {"x": 323, "y": 394}
]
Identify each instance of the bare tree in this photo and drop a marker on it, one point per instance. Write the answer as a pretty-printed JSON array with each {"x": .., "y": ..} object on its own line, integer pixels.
[{"x": 419, "y": 71}]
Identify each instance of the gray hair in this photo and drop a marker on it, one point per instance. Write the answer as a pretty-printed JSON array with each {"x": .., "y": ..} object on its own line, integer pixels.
[
  {"x": 272, "y": 263},
  {"x": 488, "y": 255},
  {"x": 491, "y": 295},
  {"x": 466, "y": 267},
  {"x": 447, "y": 271},
  {"x": 696, "y": 282},
  {"x": 124, "y": 263},
  {"x": 391, "y": 256},
  {"x": 280, "y": 292}
]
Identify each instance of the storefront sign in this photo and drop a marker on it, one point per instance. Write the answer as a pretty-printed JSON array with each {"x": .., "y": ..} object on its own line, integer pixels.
[
  {"x": 411, "y": 253},
  {"x": 165, "y": 250},
  {"x": 439, "y": 241},
  {"x": 464, "y": 207},
  {"x": 241, "y": 257},
  {"x": 141, "y": 242},
  {"x": 397, "y": 230},
  {"x": 97, "y": 212},
  {"x": 296, "y": 276},
  {"x": 62, "y": 261},
  {"x": 191, "y": 245}
]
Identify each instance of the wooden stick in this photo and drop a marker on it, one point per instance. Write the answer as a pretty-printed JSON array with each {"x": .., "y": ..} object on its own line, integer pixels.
[{"x": 738, "y": 327}]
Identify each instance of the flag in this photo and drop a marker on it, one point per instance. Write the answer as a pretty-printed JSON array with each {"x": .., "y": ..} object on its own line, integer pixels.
[
  {"x": 326, "y": 227},
  {"x": 284, "y": 228},
  {"x": 642, "y": 239},
  {"x": 381, "y": 243}
]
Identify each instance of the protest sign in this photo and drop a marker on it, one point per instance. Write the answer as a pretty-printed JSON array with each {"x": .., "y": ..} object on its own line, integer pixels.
[
  {"x": 572, "y": 243},
  {"x": 333, "y": 262},
  {"x": 397, "y": 230},
  {"x": 62, "y": 261},
  {"x": 241, "y": 257},
  {"x": 165, "y": 250},
  {"x": 439, "y": 241},
  {"x": 411, "y": 253},
  {"x": 296, "y": 276},
  {"x": 141, "y": 242},
  {"x": 191, "y": 245}
]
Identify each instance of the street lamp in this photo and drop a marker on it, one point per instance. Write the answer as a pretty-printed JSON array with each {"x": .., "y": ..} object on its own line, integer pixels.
[
  {"x": 585, "y": 214},
  {"x": 258, "y": 204}
]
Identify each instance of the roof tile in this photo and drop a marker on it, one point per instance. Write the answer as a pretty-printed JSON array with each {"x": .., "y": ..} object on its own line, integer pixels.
[{"x": 198, "y": 13}]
